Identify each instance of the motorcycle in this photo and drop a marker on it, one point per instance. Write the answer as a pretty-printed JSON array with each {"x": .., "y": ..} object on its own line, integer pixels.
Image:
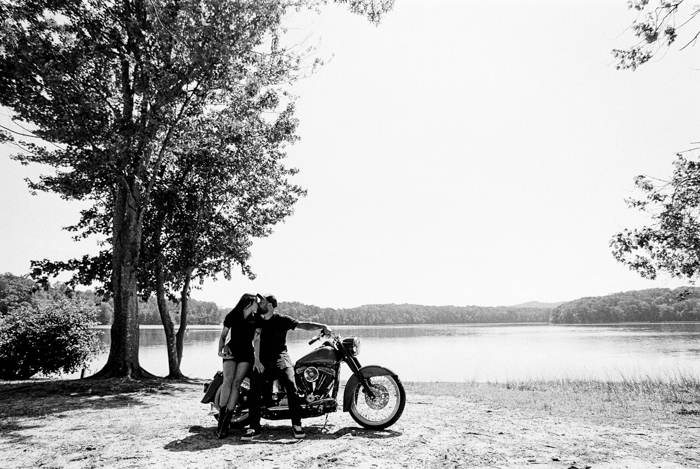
[{"x": 374, "y": 395}]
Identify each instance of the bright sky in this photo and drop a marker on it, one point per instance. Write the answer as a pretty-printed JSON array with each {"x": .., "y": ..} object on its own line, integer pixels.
[{"x": 461, "y": 153}]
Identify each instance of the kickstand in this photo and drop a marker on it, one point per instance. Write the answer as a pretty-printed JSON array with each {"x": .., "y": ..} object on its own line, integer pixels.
[{"x": 325, "y": 423}]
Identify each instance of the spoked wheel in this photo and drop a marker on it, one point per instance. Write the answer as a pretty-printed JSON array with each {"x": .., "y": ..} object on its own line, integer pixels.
[
  {"x": 382, "y": 409},
  {"x": 240, "y": 419}
]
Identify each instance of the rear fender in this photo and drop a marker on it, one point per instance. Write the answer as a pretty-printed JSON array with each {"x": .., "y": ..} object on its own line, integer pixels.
[
  {"x": 366, "y": 372},
  {"x": 212, "y": 387}
]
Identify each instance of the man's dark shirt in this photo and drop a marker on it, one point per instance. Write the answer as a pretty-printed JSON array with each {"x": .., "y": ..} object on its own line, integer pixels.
[{"x": 273, "y": 336}]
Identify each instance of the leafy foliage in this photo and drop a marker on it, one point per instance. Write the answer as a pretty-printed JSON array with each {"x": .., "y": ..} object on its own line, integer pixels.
[
  {"x": 657, "y": 27},
  {"x": 671, "y": 243},
  {"x": 47, "y": 337},
  {"x": 651, "y": 305},
  {"x": 224, "y": 185},
  {"x": 15, "y": 291},
  {"x": 200, "y": 312}
]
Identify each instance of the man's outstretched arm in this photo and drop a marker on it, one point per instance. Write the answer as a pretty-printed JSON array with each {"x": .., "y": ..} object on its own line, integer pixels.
[{"x": 312, "y": 326}]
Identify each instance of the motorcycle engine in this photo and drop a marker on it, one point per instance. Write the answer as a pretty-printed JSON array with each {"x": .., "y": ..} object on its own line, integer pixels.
[{"x": 315, "y": 381}]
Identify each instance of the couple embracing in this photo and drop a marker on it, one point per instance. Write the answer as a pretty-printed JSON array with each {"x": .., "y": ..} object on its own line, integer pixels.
[{"x": 254, "y": 335}]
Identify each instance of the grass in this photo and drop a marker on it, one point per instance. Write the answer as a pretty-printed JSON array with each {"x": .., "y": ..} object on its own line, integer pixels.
[
  {"x": 680, "y": 393},
  {"x": 632, "y": 399}
]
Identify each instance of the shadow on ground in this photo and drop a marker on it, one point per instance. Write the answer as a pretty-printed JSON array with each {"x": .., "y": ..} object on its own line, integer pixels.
[
  {"x": 37, "y": 398},
  {"x": 204, "y": 438},
  {"x": 41, "y": 398}
]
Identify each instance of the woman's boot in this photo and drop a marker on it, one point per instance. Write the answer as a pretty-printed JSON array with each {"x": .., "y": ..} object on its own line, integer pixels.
[
  {"x": 225, "y": 422},
  {"x": 220, "y": 420}
]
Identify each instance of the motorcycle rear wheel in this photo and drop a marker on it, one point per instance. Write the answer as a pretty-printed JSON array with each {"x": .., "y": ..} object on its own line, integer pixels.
[
  {"x": 382, "y": 410},
  {"x": 239, "y": 420}
]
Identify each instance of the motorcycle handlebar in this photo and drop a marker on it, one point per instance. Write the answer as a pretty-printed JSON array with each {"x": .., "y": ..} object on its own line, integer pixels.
[{"x": 321, "y": 335}]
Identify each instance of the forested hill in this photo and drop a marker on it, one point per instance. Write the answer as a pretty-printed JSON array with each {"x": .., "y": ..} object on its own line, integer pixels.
[
  {"x": 414, "y": 314},
  {"x": 202, "y": 312},
  {"x": 651, "y": 305}
]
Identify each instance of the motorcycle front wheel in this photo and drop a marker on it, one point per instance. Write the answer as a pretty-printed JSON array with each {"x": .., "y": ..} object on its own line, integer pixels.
[{"x": 382, "y": 409}]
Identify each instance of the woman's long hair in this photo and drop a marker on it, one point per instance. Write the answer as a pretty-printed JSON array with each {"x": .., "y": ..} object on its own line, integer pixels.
[{"x": 242, "y": 304}]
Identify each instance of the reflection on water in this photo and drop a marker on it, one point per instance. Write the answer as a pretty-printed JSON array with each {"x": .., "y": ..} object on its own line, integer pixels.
[{"x": 459, "y": 352}]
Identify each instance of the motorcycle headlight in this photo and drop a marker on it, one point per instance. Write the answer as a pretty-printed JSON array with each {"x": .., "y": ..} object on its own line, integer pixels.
[
  {"x": 311, "y": 374},
  {"x": 352, "y": 345}
]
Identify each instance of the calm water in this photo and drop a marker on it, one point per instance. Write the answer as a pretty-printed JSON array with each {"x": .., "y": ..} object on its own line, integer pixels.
[{"x": 458, "y": 352}]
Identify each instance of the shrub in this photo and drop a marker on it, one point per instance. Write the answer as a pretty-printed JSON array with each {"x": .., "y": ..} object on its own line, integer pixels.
[
  {"x": 15, "y": 291},
  {"x": 47, "y": 337}
]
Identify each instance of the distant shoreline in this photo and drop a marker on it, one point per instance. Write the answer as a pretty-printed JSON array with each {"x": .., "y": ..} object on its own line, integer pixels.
[{"x": 476, "y": 324}]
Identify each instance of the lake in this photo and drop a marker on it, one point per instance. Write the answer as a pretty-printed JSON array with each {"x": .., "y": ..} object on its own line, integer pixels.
[{"x": 468, "y": 352}]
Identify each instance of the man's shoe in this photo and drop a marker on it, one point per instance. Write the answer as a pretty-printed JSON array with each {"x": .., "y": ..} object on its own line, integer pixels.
[
  {"x": 250, "y": 434},
  {"x": 298, "y": 431}
]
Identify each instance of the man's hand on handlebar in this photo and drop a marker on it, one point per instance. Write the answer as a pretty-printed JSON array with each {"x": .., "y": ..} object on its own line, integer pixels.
[{"x": 325, "y": 332}]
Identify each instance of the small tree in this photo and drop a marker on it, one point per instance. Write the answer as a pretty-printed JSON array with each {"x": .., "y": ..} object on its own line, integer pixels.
[
  {"x": 671, "y": 243},
  {"x": 47, "y": 337},
  {"x": 227, "y": 186}
]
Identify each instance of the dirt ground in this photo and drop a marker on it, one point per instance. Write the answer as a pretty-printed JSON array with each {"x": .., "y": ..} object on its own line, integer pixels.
[{"x": 132, "y": 425}]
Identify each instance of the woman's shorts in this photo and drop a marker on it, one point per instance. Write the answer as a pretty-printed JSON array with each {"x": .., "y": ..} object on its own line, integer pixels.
[{"x": 240, "y": 356}]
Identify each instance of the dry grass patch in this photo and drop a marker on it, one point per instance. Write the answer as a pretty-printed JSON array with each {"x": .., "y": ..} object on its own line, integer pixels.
[{"x": 636, "y": 399}]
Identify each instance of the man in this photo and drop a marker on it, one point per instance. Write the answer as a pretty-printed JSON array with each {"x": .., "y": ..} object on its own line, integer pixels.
[{"x": 272, "y": 361}]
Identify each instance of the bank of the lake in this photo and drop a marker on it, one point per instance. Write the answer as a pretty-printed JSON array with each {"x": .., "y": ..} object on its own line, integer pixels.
[{"x": 558, "y": 424}]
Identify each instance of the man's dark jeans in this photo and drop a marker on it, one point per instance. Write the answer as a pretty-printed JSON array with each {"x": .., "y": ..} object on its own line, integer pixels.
[{"x": 283, "y": 371}]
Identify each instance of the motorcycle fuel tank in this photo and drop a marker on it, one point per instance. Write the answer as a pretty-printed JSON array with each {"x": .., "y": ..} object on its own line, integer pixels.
[{"x": 323, "y": 355}]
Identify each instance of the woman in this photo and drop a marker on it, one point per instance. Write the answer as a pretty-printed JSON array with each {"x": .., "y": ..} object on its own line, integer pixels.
[{"x": 236, "y": 348}]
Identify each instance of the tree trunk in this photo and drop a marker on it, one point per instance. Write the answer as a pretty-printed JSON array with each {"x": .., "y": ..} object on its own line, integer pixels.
[
  {"x": 184, "y": 305},
  {"x": 123, "y": 360},
  {"x": 169, "y": 328},
  {"x": 171, "y": 348}
]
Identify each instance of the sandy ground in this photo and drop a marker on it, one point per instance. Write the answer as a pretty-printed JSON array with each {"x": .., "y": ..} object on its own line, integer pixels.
[{"x": 164, "y": 425}]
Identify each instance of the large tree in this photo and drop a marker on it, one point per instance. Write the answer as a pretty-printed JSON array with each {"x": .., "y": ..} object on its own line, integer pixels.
[
  {"x": 106, "y": 84},
  {"x": 109, "y": 85}
]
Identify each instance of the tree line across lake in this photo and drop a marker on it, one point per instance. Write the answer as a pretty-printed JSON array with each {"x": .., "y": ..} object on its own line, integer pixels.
[
  {"x": 651, "y": 305},
  {"x": 208, "y": 313}
]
